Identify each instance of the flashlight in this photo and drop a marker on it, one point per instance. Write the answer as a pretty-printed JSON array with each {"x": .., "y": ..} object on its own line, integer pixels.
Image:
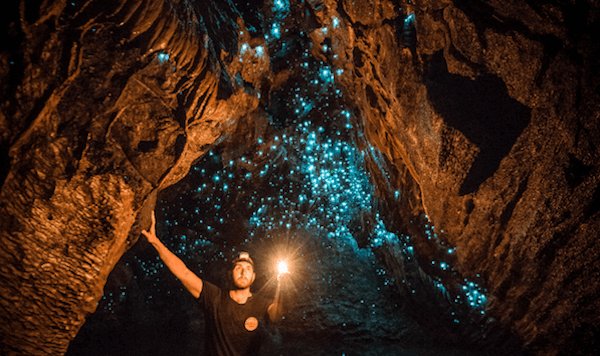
[{"x": 282, "y": 268}]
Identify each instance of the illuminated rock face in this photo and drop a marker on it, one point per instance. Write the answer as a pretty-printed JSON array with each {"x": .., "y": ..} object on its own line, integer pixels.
[{"x": 485, "y": 114}]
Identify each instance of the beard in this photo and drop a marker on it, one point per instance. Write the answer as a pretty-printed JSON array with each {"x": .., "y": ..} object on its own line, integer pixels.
[{"x": 242, "y": 283}]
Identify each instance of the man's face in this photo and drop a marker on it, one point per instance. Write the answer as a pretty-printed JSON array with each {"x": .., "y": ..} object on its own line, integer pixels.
[{"x": 243, "y": 275}]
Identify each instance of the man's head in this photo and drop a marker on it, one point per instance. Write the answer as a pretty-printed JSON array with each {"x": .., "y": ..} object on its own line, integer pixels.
[{"x": 242, "y": 272}]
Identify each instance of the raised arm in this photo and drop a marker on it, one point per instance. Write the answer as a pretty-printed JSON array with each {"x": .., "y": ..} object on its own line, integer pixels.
[
  {"x": 191, "y": 281},
  {"x": 275, "y": 310}
]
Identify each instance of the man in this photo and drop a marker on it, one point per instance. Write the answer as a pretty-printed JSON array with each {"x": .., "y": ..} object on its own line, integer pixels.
[{"x": 234, "y": 318}]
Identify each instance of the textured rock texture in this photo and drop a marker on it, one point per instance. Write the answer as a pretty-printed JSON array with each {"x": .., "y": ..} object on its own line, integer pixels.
[{"x": 486, "y": 112}]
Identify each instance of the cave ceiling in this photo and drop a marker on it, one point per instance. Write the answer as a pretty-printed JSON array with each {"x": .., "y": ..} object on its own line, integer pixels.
[{"x": 431, "y": 169}]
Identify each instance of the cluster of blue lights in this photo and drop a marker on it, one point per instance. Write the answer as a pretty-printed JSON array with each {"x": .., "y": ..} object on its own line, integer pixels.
[
  {"x": 281, "y": 7},
  {"x": 326, "y": 75},
  {"x": 280, "y": 10},
  {"x": 475, "y": 297},
  {"x": 335, "y": 186},
  {"x": 246, "y": 49},
  {"x": 162, "y": 57},
  {"x": 335, "y": 22}
]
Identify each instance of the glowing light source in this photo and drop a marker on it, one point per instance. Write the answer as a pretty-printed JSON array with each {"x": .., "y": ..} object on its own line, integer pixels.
[
  {"x": 282, "y": 268},
  {"x": 335, "y": 22},
  {"x": 162, "y": 57},
  {"x": 259, "y": 50},
  {"x": 276, "y": 30}
]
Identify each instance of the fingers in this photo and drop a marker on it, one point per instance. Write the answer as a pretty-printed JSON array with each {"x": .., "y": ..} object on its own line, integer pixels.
[
  {"x": 150, "y": 237},
  {"x": 153, "y": 226}
]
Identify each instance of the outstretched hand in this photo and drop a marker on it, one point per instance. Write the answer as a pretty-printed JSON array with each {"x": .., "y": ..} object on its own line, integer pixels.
[{"x": 151, "y": 235}]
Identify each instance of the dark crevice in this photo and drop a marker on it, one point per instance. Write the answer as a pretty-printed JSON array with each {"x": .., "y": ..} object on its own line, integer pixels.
[
  {"x": 32, "y": 10},
  {"x": 576, "y": 171},
  {"x": 510, "y": 207},
  {"x": 482, "y": 110},
  {"x": 371, "y": 97},
  {"x": 594, "y": 205},
  {"x": 225, "y": 87},
  {"x": 180, "y": 144},
  {"x": 147, "y": 146},
  {"x": 4, "y": 162},
  {"x": 357, "y": 57},
  {"x": 180, "y": 111}
]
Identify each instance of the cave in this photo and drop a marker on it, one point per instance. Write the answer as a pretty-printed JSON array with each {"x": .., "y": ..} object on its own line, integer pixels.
[{"x": 429, "y": 169}]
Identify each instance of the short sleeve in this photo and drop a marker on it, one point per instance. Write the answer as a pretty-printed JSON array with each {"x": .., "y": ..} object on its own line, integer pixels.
[{"x": 209, "y": 294}]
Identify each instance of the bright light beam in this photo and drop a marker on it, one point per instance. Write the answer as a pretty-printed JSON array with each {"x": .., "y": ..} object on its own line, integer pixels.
[{"x": 282, "y": 268}]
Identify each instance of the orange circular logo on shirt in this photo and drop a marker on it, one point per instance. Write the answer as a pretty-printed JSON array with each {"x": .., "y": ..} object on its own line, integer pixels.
[{"x": 251, "y": 323}]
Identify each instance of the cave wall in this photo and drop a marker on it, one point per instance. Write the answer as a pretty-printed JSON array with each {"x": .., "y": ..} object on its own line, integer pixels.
[{"x": 488, "y": 112}]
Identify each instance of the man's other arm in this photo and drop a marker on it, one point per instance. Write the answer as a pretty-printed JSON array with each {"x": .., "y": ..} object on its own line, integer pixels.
[{"x": 275, "y": 310}]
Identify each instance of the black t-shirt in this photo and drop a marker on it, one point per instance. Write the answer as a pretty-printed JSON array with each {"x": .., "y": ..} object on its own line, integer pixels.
[{"x": 232, "y": 328}]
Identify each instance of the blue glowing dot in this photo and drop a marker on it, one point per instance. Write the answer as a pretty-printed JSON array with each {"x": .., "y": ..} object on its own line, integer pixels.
[
  {"x": 162, "y": 57},
  {"x": 259, "y": 51},
  {"x": 326, "y": 75},
  {"x": 335, "y": 22},
  {"x": 276, "y": 30},
  {"x": 281, "y": 6}
]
